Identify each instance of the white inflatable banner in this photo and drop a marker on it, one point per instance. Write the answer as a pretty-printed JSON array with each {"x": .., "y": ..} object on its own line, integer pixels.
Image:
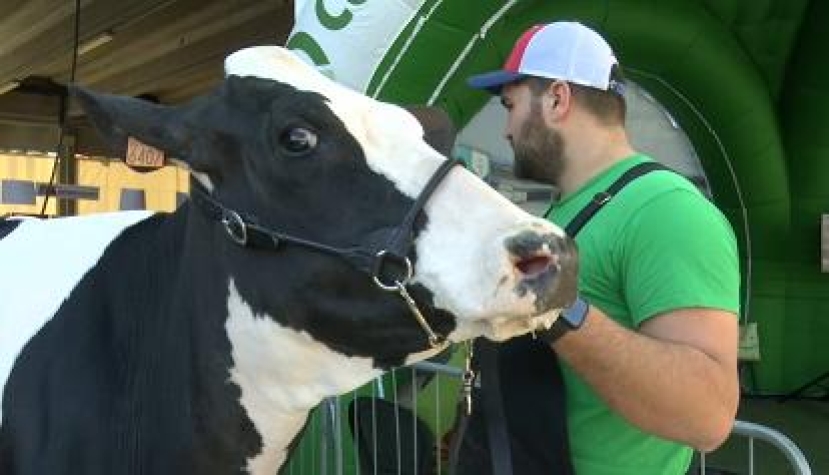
[{"x": 347, "y": 39}]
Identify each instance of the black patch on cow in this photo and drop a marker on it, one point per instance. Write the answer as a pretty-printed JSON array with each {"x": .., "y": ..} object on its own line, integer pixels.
[{"x": 7, "y": 226}]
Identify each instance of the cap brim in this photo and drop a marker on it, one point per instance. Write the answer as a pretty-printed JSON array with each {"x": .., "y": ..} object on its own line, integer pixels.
[{"x": 493, "y": 81}]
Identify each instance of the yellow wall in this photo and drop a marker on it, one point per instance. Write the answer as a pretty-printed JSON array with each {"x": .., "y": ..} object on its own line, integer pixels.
[
  {"x": 110, "y": 176},
  {"x": 160, "y": 186}
]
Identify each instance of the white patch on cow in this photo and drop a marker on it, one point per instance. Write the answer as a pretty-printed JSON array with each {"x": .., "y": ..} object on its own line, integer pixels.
[
  {"x": 43, "y": 260},
  {"x": 462, "y": 257},
  {"x": 462, "y": 253},
  {"x": 378, "y": 126},
  {"x": 283, "y": 374}
]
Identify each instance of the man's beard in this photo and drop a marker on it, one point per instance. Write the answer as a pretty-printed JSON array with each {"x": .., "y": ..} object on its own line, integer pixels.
[{"x": 538, "y": 151}]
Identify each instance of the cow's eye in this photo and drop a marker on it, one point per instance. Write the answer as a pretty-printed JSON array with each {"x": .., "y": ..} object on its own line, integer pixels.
[{"x": 298, "y": 140}]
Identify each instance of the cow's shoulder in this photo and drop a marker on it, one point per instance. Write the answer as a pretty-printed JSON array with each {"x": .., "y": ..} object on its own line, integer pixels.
[{"x": 42, "y": 261}]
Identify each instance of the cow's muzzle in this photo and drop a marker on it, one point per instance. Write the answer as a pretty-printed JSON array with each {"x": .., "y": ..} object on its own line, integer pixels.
[{"x": 546, "y": 265}]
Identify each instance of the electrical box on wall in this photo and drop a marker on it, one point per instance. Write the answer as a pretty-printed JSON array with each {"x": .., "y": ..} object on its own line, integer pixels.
[{"x": 824, "y": 243}]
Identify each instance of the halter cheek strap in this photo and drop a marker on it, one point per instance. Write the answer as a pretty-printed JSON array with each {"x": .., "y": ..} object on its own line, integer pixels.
[{"x": 388, "y": 264}]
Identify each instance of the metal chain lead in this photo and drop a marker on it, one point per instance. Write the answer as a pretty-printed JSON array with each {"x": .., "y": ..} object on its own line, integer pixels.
[
  {"x": 468, "y": 379},
  {"x": 435, "y": 340}
]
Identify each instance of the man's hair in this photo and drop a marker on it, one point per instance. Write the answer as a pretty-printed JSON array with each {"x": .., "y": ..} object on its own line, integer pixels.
[{"x": 608, "y": 106}]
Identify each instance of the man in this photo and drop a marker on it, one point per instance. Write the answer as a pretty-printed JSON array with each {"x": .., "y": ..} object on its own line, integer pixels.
[{"x": 649, "y": 350}]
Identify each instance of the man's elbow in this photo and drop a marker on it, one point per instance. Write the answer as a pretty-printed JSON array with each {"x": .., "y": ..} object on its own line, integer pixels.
[
  {"x": 718, "y": 421},
  {"x": 715, "y": 433}
]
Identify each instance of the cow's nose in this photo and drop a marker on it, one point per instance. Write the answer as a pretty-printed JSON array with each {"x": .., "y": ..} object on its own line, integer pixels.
[
  {"x": 547, "y": 265},
  {"x": 533, "y": 254}
]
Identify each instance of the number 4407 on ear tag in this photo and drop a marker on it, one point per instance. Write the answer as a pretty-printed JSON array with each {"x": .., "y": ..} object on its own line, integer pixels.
[{"x": 141, "y": 155}]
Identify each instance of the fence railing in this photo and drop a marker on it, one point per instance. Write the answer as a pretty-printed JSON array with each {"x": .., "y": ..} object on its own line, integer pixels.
[
  {"x": 394, "y": 426},
  {"x": 753, "y": 432},
  {"x": 391, "y": 426}
]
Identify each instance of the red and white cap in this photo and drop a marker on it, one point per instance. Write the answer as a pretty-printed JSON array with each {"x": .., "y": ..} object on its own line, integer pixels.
[{"x": 563, "y": 50}]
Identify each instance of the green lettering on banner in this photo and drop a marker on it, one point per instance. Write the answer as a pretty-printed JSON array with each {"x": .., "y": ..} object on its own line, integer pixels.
[
  {"x": 330, "y": 21},
  {"x": 304, "y": 42}
]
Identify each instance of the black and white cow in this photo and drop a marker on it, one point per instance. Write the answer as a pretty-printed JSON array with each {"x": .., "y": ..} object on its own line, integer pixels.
[{"x": 193, "y": 342}]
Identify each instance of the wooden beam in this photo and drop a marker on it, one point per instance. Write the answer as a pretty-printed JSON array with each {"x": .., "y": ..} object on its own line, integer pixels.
[
  {"x": 32, "y": 109},
  {"x": 41, "y": 32},
  {"x": 205, "y": 55},
  {"x": 28, "y": 137},
  {"x": 195, "y": 21}
]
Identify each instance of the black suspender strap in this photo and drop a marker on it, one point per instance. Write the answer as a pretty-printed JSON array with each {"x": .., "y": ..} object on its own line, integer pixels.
[
  {"x": 603, "y": 197},
  {"x": 487, "y": 351},
  {"x": 500, "y": 452}
]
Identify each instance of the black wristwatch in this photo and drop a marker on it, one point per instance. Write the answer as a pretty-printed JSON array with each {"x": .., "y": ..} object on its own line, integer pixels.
[{"x": 571, "y": 318}]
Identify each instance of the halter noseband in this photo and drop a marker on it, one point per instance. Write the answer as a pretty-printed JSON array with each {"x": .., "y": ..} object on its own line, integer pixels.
[{"x": 244, "y": 231}]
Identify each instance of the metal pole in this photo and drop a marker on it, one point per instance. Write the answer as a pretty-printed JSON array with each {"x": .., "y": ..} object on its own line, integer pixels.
[{"x": 67, "y": 174}]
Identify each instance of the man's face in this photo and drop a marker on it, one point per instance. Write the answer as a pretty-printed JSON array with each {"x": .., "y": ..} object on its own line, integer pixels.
[{"x": 538, "y": 149}]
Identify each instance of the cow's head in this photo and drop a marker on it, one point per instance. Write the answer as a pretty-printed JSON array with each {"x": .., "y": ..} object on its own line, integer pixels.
[{"x": 299, "y": 155}]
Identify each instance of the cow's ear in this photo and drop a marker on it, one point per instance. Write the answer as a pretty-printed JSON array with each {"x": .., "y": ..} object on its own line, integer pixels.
[
  {"x": 118, "y": 117},
  {"x": 438, "y": 129}
]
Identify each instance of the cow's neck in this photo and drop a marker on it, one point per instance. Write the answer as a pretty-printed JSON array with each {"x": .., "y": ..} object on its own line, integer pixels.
[
  {"x": 274, "y": 375},
  {"x": 283, "y": 374}
]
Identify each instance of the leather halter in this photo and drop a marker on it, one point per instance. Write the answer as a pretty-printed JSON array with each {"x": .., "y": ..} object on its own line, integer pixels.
[{"x": 373, "y": 257}]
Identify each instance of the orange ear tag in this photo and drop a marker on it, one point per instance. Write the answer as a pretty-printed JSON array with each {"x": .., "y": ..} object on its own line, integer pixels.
[{"x": 141, "y": 155}]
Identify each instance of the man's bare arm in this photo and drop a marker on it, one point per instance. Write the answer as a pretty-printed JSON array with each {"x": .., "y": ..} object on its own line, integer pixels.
[{"x": 676, "y": 377}]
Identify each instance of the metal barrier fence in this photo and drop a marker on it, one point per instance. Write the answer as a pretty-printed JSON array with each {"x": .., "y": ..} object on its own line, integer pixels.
[
  {"x": 393, "y": 426},
  {"x": 752, "y": 432}
]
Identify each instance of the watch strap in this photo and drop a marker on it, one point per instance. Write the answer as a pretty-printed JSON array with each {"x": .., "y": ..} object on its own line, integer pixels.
[
  {"x": 571, "y": 318},
  {"x": 552, "y": 334}
]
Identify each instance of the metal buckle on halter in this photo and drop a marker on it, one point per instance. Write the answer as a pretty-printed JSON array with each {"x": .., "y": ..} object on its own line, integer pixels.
[
  {"x": 435, "y": 340},
  {"x": 381, "y": 257},
  {"x": 235, "y": 226}
]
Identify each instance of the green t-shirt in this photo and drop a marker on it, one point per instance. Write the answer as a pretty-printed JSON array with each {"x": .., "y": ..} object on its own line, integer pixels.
[{"x": 658, "y": 245}]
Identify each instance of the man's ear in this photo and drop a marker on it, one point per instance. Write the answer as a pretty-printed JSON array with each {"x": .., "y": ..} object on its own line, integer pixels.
[
  {"x": 557, "y": 98},
  {"x": 555, "y": 93}
]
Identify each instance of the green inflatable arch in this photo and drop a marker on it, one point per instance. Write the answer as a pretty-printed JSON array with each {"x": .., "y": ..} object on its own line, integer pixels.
[
  {"x": 746, "y": 81},
  {"x": 706, "y": 64}
]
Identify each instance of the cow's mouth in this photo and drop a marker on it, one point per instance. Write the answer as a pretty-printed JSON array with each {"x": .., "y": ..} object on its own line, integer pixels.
[
  {"x": 501, "y": 329},
  {"x": 535, "y": 265}
]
